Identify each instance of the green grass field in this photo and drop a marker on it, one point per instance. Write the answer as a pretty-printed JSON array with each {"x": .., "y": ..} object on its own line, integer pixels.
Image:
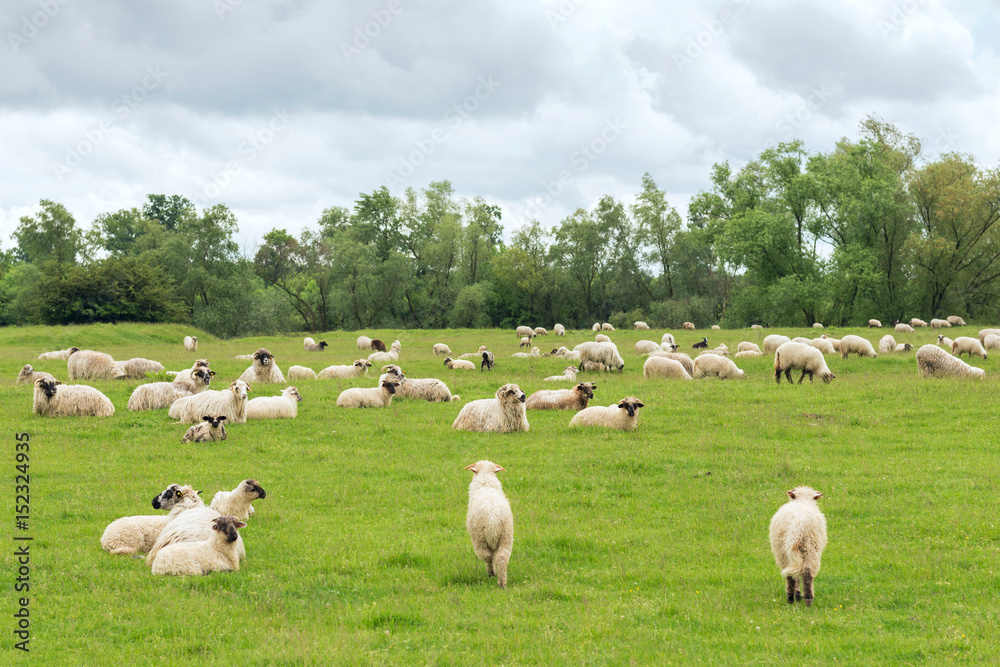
[{"x": 647, "y": 547}]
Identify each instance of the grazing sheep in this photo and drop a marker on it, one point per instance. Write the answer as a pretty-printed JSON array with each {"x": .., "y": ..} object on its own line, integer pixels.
[
  {"x": 967, "y": 345},
  {"x": 219, "y": 553},
  {"x": 358, "y": 369},
  {"x": 661, "y": 367},
  {"x": 263, "y": 370},
  {"x": 689, "y": 326},
  {"x": 569, "y": 374},
  {"x": 523, "y": 331},
  {"x": 28, "y": 375},
  {"x": 756, "y": 326},
  {"x": 459, "y": 364},
  {"x": 833, "y": 341},
  {"x": 62, "y": 355},
  {"x": 596, "y": 327},
  {"x": 191, "y": 343},
  {"x": 917, "y": 322},
  {"x": 525, "y": 342},
  {"x": 668, "y": 339},
  {"x": 231, "y": 402},
  {"x": 383, "y": 357},
  {"x": 55, "y": 399},
  {"x": 441, "y": 348},
  {"x": 956, "y": 321},
  {"x": 700, "y": 345},
  {"x": 364, "y": 343},
  {"x": 605, "y": 354},
  {"x": 887, "y": 344},
  {"x": 932, "y": 361},
  {"x": 559, "y": 330},
  {"x": 285, "y": 406},
  {"x": 940, "y": 324},
  {"x": 312, "y": 346},
  {"x": 773, "y": 342},
  {"x": 747, "y": 345},
  {"x": 798, "y": 537},
  {"x": 601, "y": 338},
  {"x": 684, "y": 359},
  {"x": 983, "y": 333},
  {"x": 237, "y": 502},
  {"x": 715, "y": 327},
  {"x": 489, "y": 520},
  {"x": 991, "y": 342},
  {"x": 473, "y": 355},
  {"x": 535, "y": 352},
  {"x": 817, "y": 325},
  {"x": 91, "y": 365},
  {"x": 902, "y": 327},
  {"x": 750, "y": 353},
  {"x": 369, "y": 397},
  {"x": 622, "y": 416},
  {"x": 576, "y": 398},
  {"x": 796, "y": 356},
  {"x": 504, "y": 413},
  {"x": 378, "y": 345},
  {"x": 137, "y": 534},
  {"x": 857, "y": 345},
  {"x": 209, "y": 429},
  {"x": 947, "y": 342},
  {"x": 607, "y": 327},
  {"x": 802, "y": 339},
  {"x": 300, "y": 373},
  {"x": 540, "y": 331},
  {"x": 874, "y": 324},
  {"x": 647, "y": 346},
  {"x": 824, "y": 345},
  {"x": 641, "y": 326},
  {"x": 712, "y": 365}
]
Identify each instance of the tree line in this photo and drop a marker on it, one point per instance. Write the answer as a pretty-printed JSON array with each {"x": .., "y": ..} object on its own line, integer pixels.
[{"x": 791, "y": 238}]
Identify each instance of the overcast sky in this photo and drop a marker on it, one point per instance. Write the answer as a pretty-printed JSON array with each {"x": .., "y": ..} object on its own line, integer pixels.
[{"x": 281, "y": 109}]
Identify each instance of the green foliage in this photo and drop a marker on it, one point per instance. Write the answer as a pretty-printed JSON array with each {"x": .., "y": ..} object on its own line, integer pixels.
[
  {"x": 470, "y": 310},
  {"x": 50, "y": 237}
]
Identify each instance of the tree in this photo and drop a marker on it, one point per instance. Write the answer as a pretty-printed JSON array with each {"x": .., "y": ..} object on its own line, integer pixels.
[
  {"x": 658, "y": 225},
  {"x": 170, "y": 211},
  {"x": 51, "y": 236}
]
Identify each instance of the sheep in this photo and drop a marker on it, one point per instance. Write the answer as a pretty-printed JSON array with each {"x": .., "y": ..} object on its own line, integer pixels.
[
  {"x": 802, "y": 339},
  {"x": 237, "y": 502},
  {"x": 301, "y": 373},
  {"x": 773, "y": 342},
  {"x": 263, "y": 370},
  {"x": 312, "y": 346},
  {"x": 715, "y": 327},
  {"x": 668, "y": 338},
  {"x": 992, "y": 342},
  {"x": 596, "y": 327},
  {"x": 601, "y": 338},
  {"x": 504, "y": 413},
  {"x": 712, "y": 365},
  {"x": 231, "y": 402},
  {"x": 460, "y": 364},
  {"x": 190, "y": 380},
  {"x": 91, "y": 365},
  {"x": 155, "y": 396},
  {"x": 368, "y": 397},
  {"x": 796, "y": 356},
  {"x": 559, "y": 330},
  {"x": 28, "y": 375},
  {"x": 540, "y": 331},
  {"x": 622, "y": 415},
  {"x": 441, "y": 348},
  {"x": 947, "y": 342},
  {"x": 535, "y": 352},
  {"x": 874, "y": 324},
  {"x": 489, "y": 520},
  {"x": 940, "y": 324},
  {"x": 137, "y": 534},
  {"x": 756, "y": 326},
  {"x": 722, "y": 350},
  {"x": 285, "y": 406},
  {"x": 576, "y": 398},
  {"x": 746, "y": 345},
  {"x": 243, "y": 357},
  {"x": 605, "y": 354},
  {"x": 61, "y": 355},
  {"x": 932, "y": 361},
  {"x": 798, "y": 536},
  {"x": 138, "y": 368},
  {"x": 917, "y": 322},
  {"x": 525, "y": 342},
  {"x": 383, "y": 357},
  {"x": 607, "y": 327},
  {"x": 684, "y": 359},
  {"x": 817, "y": 325},
  {"x": 55, "y": 399},
  {"x": 641, "y": 326},
  {"x": 191, "y": 343},
  {"x": 378, "y": 345},
  {"x": 749, "y": 353},
  {"x": 569, "y": 374},
  {"x": 700, "y": 345},
  {"x": 487, "y": 362},
  {"x": 857, "y": 345},
  {"x": 956, "y": 321},
  {"x": 473, "y": 355},
  {"x": 356, "y": 370},
  {"x": 902, "y": 327},
  {"x": 647, "y": 346},
  {"x": 688, "y": 326},
  {"x": 525, "y": 331},
  {"x": 364, "y": 343},
  {"x": 967, "y": 345},
  {"x": 983, "y": 333},
  {"x": 661, "y": 367},
  {"x": 887, "y": 345},
  {"x": 833, "y": 341},
  {"x": 188, "y": 524},
  {"x": 218, "y": 553},
  {"x": 425, "y": 389},
  {"x": 824, "y": 345},
  {"x": 209, "y": 429},
  {"x": 568, "y": 355}
]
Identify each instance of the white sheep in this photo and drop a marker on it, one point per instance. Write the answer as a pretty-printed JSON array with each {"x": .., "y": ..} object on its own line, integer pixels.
[
  {"x": 605, "y": 354},
  {"x": 576, "y": 398},
  {"x": 749, "y": 353},
  {"x": 661, "y": 367},
  {"x": 191, "y": 343},
  {"x": 917, "y": 322},
  {"x": 357, "y": 369},
  {"x": 301, "y": 373},
  {"x": 155, "y": 396},
  {"x": 968, "y": 345},
  {"x": 716, "y": 327},
  {"x": 311, "y": 345},
  {"x": 264, "y": 369},
  {"x": 817, "y": 325},
  {"x": 231, "y": 402},
  {"x": 684, "y": 359},
  {"x": 688, "y": 326},
  {"x": 210, "y": 429},
  {"x": 607, "y": 327},
  {"x": 190, "y": 379},
  {"x": 525, "y": 342},
  {"x": 364, "y": 343},
  {"x": 137, "y": 368},
  {"x": 137, "y": 534},
  {"x": 940, "y": 324},
  {"x": 796, "y": 356},
  {"x": 473, "y": 355},
  {"x": 956, "y": 321},
  {"x": 857, "y": 345},
  {"x": 991, "y": 342},
  {"x": 802, "y": 339},
  {"x": 218, "y": 553},
  {"x": 983, "y": 333},
  {"x": 559, "y": 330},
  {"x": 368, "y": 397},
  {"x": 833, "y": 341},
  {"x": 91, "y": 365},
  {"x": 237, "y": 502},
  {"x": 489, "y": 520},
  {"x": 535, "y": 352},
  {"x": 389, "y": 357},
  {"x": 62, "y": 355},
  {"x": 28, "y": 375},
  {"x": 568, "y": 355},
  {"x": 641, "y": 326},
  {"x": 424, "y": 389},
  {"x": 874, "y": 324},
  {"x": 888, "y": 345},
  {"x": 622, "y": 415},
  {"x": 932, "y": 361},
  {"x": 746, "y": 345},
  {"x": 569, "y": 375},
  {"x": 541, "y": 331},
  {"x": 773, "y": 342},
  {"x": 601, "y": 338},
  {"x": 824, "y": 345},
  {"x": 713, "y": 365},
  {"x": 285, "y": 406},
  {"x": 441, "y": 348},
  {"x": 55, "y": 399},
  {"x": 504, "y": 413},
  {"x": 523, "y": 331},
  {"x": 798, "y": 537},
  {"x": 596, "y": 327},
  {"x": 460, "y": 364},
  {"x": 668, "y": 338},
  {"x": 947, "y": 342},
  {"x": 756, "y": 326},
  {"x": 903, "y": 327},
  {"x": 191, "y": 524}
]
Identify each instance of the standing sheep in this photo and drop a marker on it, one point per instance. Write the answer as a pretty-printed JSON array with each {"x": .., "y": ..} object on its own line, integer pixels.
[
  {"x": 489, "y": 520},
  {"x": 857, "y": 345},
  {"x": 607, "y": 327},
  {"x": 356, "y": 370},
  {"x": 796, "y": 356},
  {"x": 137, "y": 534},
  {"x": 231, "y": 402},
  {"x": 684, "y": 359},
  {"x": 932, "y": 361},
  {"x": 661, "y": 367},
  {"x": 312, "y": 346},
  {"x": 798, "y": 538},
  {"x": 689, "y": 326},
  {"x": 191, "y": 343},
  {"x": 712, "y": 365},
  {"x": 525, "y": 342},
  {"x": 237, "y": 502},
  {"x": 541, "y": 331},
  {"x": 264, "y": 369},
  {"x": 773, "y": 342},
  {"x": 285, "y": 406},
  {"x": 55, "y": 399},
  {"x": 364, "y": 343},
  {"x": 523, "y": 331},
  {"x": 441, "y": 348},
  {"x": 369, "y": 397},
  {"x": 576, "y": 398},
  {"x": 956, "y": 321},
  {"x": 219, "y": 553},
  {"x": 824, "y": 345},
  {"x": 622, "y": 416},
  {"x": 983, "y": 333},
  {"x": 641, "y": 326},
  {"x": 874, "y": 324},
  {"x": 210, "y": 429},
  {"x": 940, "y": 324},
  {"x": 301, "y": 373},
  {"x": 991, "y": 342},
  {"x": 487, "y": 362},
  {"x": 559, "y": 330},
  {"x": 596, "y": 327},
  {"x": 903, "y": 327},
  {"x": 967, "y": 345},
  {"x": 917, "y": 322},
  {"x": 502, "y": 414},
  {"x": 605, "y": 354},
  {"x": 61, "y": 355}
]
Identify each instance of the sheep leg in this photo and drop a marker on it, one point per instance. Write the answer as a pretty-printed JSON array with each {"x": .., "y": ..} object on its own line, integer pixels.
[
  {"x": 790, "y": 591},
  {"x": 802, "y": 377},
  {"x": 807, "y": 586},
  {"x": 500, "y": 560},
  {"x": 777, "y": 375},
  {"x": 484, "y": 553}
]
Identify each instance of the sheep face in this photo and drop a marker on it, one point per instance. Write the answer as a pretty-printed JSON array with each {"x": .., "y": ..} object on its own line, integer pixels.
[
  {"x": 447, "y": 360},
  {"x": 241, "y": 389},
  {"x": 170, "y": 497},
  {"x": 631, "y": 404},
  {"x": 390, "y": 385},
  {"x": 228, "y": 526},
  {"x": 363, "y": 364},
  {"x": 510, "y": 393},
  {"x": 263, "y": 356},
  {"x": 323, "y": 344},
  {"x": 292, "y": 391},
  {"x": 828, "y": 377},
  {"x": 585, "y": 389},
  {"x": 27, "y": 371},
  {"x": 203, "y": 376},
  {"x": 394, "y": 370},
  {"x": 214, "y": 420},
  {"x": 251, "y": 486},
  {"x": 73, "y": 350},
  {"x": 47, "y": 386}
]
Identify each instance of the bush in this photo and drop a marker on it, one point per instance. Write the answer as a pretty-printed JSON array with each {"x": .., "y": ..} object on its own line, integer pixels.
[{"x": 471, "y": 307}]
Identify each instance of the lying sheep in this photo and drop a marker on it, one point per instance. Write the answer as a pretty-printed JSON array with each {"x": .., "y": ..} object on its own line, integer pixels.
[
  {"x": 504, "y": 413},
  {"x": 568, "y": 355},
  {"x": 713, "y": 365},
  {"x": 680, "y": 357},
  {"x": 569, "y": 375},
  {"x": 968, "y": 345},
  {"x": 55, "y": 399},
  {"x": 668, "y": 338},
  {"x": 264, "y": 369},
  {"x": 747, "y": 346},
  {"x": 231, "y": 402},
  {"x": 441, "y": 348},
  {"x": 218, "y": 553},
  {"x": 378, "y": 345},
  {"x": 932, "y": 361},
  {"x": 689, "y": 326},
  {"x": 607, "y": 327},
  {"x": 364, "y": 343},
  {"x": 559, "y": 330},
  {"x": 356, "y": 370},
  {"x": 285, "y": 406},
  {"x": 857, "y": 345},
  {"x": 525, "y": 342},
  {"x": 91, "y": 365},
  {"x": 902, "y": 327},
  {"x": 605, "y": 354},
  {"x": 301, "y": 373},
  {"x": 535, "y": 352},
  {"x": 947, "y": 342},
  {"x": 384, "y": 357},
  {"x": 369, "y": 397},
  {"x": 540, "y": 331},
  {"x": 773, "y": 342},
  {"x": 237, "y": 502},
  {"x": 601, "y": 338},
  {"x": 187, "y": 376},
  {"x": 917, "y": 322},
  {"x": 155, "y": 396},
  {"x": 28, "y": 375},
  {"x": 424, "y": 389},
  {"x": 489, "y": 520},
  {"x": 312, "y": 346},
  {"x": 991, "y": 342},
  {"x": 622, "y": 416},
  {"x": 983, "y": 333},
  {"x": 210, "y": 429},
  {"x": 716, "y": 327},
  {"x": 138, "y": 368},
  {"x": 184, "y": 525},
  {"x": 473, "y": 355},
  {"x": 824, "y": 345},
  {"x": 641, "y": 326},
  {"x": 940, "y": 324},
  {"x": 487, "y": 362},
  {"x": 61, "y": 355},
  {"x": 191, "y": 343},
  {"x": 874, "y": 324},
  {"x": 138, "y": 534},
  {"x": 756, "y": 326},
  {"x": 661, "y": 367},
  {"x": 956, "y": 321},
  {"x": 459, "y": 364},
  {"x": 798, "y": 537},
  {"x": 700, "y": 345},
  {"x": 576, "y": 398},
  {"x": 752, "y": 353},
  {"x": 796, "y": 356}
]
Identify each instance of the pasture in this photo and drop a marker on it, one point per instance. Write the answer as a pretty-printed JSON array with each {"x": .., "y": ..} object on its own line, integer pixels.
[{"x": 647, "y": 547}]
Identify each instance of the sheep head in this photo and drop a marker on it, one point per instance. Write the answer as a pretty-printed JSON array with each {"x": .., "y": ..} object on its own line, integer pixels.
[
  {"x": 263, "y": 356},
  {"x": 251, "y": 486},
  {"x": 228, "y": 526},
  {"x": 586, "y": 388},
  {"x": 203, "y": 375},
  {"x": 168, "y": 497},
  {"x": 510, "y": 392},
  {"x": 485, "y": 467},
  {"x": 828, "y": 377},
  {"x": 48, "y": 386},
  {"x": 631, "y": 404},
  {"x": 390, "y": 385},
  {"x": 241, "y": 389},
  {"x": 214, "y": 420},
  {"x": 292, "y": 391},
  {"x": 804, "y": 493}
]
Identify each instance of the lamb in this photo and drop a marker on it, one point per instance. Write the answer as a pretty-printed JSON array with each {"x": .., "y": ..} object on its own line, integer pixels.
[
  {"x": 28, "y": 375},
  {"x": 605, "y": 354},
  {"x": 596, "y": 327},
  {"x": 967, "y": 345},
  {"x": 540, "y": 331},
  {"x": 191, "y": 343},
  {"x": 902, "y": 327},
  {"x": 237, "y": 502},
  {"x": 773, "y": 342},
  {"x": 559, "y": 330},
  {"x": 460, "y": 364},
  {"x": 798, "y": 537},
  {"x": 983, "y": 333},
  {"x": 218, "y": 553},
  {"x": 364, "y": 343},
  {"x": 91, "y": 365},
  {"x": 209, "y": 429},
  {"x": 358, "y": 369},
  {"x": 796, "y": 356},
  {"x": 263, "y": 370},
  {"x": 857, "y": 345},
  {"x": 940, "y": 324},
  {"x": 576, "y": 398},
  {"x": 874, "y": 324},
  {"x": 473, "y": 355},
  {"x": 62, "y": 355},
  {"x": 991, "y": 342},
  {"x": 383, "y": 357},
  {"x": 684, "y": 360},
  {"x": 525, "y": 342},
  {"x": 231, "y": 402},
  {"x": 668, "y": 338},
  {"x": 378, "y": 345},
  {"x": 369, "y": 397},
  {"x": 487, "y": 362},
  {"x": 601, "y": 338},
  {"x": 917, "y": 322},
  {"x": 441, "y": 348},
  {"x": 285, "y": 406},
  {"x": 192, "y": 524},
  {"x": 535, "y": 352},
  {"x": 712, "y": 365},
  {"x": 622, "y": 416},
  {"x": 641, "y": 326},
  {"x": 824, "y": 345},
  {"x": 661, "y": 367},
  {"x": 568, "y": 355},
  {"x": 525, "y": 331},
  {"x": 751, "y": 353},
  {"x": 137, "y": 534},
  {"x": 312, "y": 346},
  {"x": 425, "y": 389},
  {"x": 55, "y": 399},
  {"x": 956, "y": 321},
  {"x": 301, "y": 373},
  {"x": 947, "y": 342},
  {"x": 932, "y": 361},
  {"x": 689, "y": 326},
  {"x": 700, "y": 345},
  {"x": 747, "y": 346},
  {"x": 569, "y": 374},
  {"x": 489, "y": 520},
  {"x": 607, "y": 327},
  {"x": 504, "y": 413}
]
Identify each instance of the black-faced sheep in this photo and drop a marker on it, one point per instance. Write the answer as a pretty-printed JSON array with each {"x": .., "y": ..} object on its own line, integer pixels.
[
  {"x": 424, "y": 389},
  {"x": 622, "y": 416},
  {"x": 210, "y": 429},
  {"x": 576, "y": 398},
  {"x": 489, "y": 520},
  {"x": 798, "y": 536},
  {"x": 264, "y": 369},
  {"x": 502, "y": 414},
  {"x": 357, "y": 369},
  {"x": 138, "y": 534},
  {"x": 55, "y": 399},
  {"x": 218, "y": 553}
]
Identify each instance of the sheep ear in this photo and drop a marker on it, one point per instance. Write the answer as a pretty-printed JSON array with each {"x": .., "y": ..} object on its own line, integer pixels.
[
  {"x": 241, "y": 524},
  {"x": 499, "y": 468},
  {"x": 817, "y": 496},
  {"x": 593, "y": 385},
  {"x": 791, "y": 494},
  {"x": 199, "y": 493},
  {"x": 206, "y": 418},
  {"x": 640, "y": 405},
  {"x": 472, "y": 467},
  {"x": 222, "y": 418}
]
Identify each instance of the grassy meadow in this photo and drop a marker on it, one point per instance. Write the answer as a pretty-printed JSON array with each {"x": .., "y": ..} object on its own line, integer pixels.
[{"x": 647, "y": 547}]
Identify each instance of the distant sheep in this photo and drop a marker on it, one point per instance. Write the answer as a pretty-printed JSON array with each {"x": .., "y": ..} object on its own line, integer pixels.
[
  {"x": 756, "y": 326},
  {"x": 285, "y": 406},
  {"x": 917, "y": 322},
  {"x": 218, "y": 553},
  {"x": 596, "y": 327},
  {"x": 369, "y": 397},
  {"x": 773, "y": 342},
  {"x": 661, "y": 367},
  {"x": 576, "y": 398},
  {"x": 700, "y": 345},
  {"x": 523, "y": 331},
  {"x": 601, "y": 338},
  {"x": 264, "y": 369},
  {"x": 887, "y": 345},
  {"x": 992, "y": 342},
  {"x": 680, "y": 357},
  {"x": 91, "y": 365},
  {"x": 540, "y": 331},
  {"x": 237, "y": 502},
  {"x": 487, "y": 361},
  {"x": 749, "y": 353},
  {"x": 716, "y": 327},
  {"x": 231, "y": 402},
  {"x": 817, "y": 325},
  {"x": 668, "y": 338},
  {"x": 605, "y": 354},
  {"x": 383, "y": 357},
  {"x": 796, "y": 356},
  {"x": 983, "y": 333},
  {"x": 569, "y": 375},
  {"x": 473, "y": 355},
  {"x": 689, "y": 326},
  {"x": 798, "y": 537},
  {"x": 902, "y": 327},
  {"x": 535, "y": 352},
  {"x": 358, "y": 369},
  {"x": 647, "y": 346},
  {"x": 441, "y": 348},
  {"x": 747, "y": 345},
  {"x": 713, "y": 365},
  {"x": 55, "y": 399},
  {"x": 504, "y": 413},
  {"x": 210, "y": 429},
  {"x": 378, "y": 345},
  {"x": 852, "y": 344},
  {"x": 301, "y": 373},
  {"x": 967, "y": 345},
  {"x": 559, "y": 330},
  {"x": 946, "y": 342},
  {"x": 607, "y": 327},
  {"x": 459, "y": 364},
  {"x": 312, "y": 346},
  {"x": 137, "y": 534},
  {"x": 364, "y": 343},
  {"x": 489, "y": 520},
  {"x": 28, "y": 375},
  {"x": 956, "y": 321},
  {"x": 622, "y": 416},
  {"x": 932, "y": 361},
  {"x": 874, "y": 324},
  {"x": 424, "y": 389},
  {"x": 940, "y": 324},
  {"x": 191, "y": 343},
  {"x": 525, "y": 342},
  {"x": 641, "y": 326},
  {"x": 62, "y": 355}
]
